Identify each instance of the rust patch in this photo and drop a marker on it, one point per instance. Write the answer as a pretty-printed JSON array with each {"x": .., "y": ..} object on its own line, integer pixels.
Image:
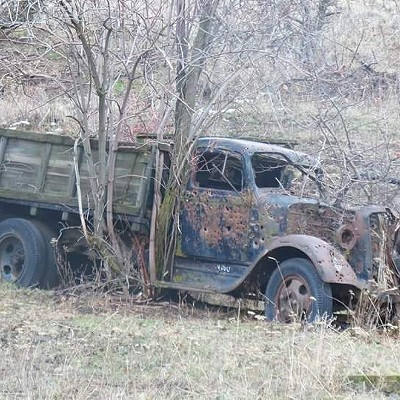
[
  {"x": 316, "y": 220},
  {"x": 220, "y": 222}
]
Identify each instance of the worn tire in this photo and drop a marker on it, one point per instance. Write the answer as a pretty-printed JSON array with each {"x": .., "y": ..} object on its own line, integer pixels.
[
  {"x": 50, "y": 277},
  {"x": 295, "y": 291},
  {"x": 22, "y": 252}
]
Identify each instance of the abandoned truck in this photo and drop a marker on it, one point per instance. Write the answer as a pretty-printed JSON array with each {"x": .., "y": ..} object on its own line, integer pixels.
[{"x": 247, "y": 229}]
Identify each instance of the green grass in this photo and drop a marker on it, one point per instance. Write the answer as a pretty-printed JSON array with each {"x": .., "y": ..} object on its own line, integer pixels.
[{"x": 102, "y": 347}]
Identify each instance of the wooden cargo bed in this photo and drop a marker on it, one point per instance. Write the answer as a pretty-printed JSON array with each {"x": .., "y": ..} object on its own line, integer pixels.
[{"x": 39, "y": 167}]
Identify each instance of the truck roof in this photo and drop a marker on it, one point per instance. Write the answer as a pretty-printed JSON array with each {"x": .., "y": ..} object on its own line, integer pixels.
[{"x": 245, "y": 146}]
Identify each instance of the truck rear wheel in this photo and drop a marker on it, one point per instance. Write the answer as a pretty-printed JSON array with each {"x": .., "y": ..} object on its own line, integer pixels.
[
  {"x": 51, "y": 277},
  {"x": 22, "y": 252},
  {"x": 296, "y": 292}
]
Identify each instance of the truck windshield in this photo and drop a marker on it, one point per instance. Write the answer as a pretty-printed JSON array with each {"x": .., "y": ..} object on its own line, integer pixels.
[{"x": 272, "y": 170}]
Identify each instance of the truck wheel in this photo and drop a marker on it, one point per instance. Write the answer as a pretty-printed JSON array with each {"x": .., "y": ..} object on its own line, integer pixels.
[
  {"x": 22, "y": 252},
  {"x": 296, "y": 292},
  {"x": 51, "y": 277}
]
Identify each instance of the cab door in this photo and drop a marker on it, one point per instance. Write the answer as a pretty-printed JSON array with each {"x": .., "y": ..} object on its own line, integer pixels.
[{"x": 215, "y": 209}]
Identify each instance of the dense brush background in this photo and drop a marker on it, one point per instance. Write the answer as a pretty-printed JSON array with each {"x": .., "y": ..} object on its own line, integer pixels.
[{"x": 324, "y": 73}]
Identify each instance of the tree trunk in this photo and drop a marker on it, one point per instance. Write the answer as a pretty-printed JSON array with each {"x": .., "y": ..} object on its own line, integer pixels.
[{"x": 188, "y": 74}]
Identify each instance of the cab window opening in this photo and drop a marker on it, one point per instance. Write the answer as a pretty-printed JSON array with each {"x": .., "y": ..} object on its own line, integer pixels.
[{"x": 219, "y": 170}]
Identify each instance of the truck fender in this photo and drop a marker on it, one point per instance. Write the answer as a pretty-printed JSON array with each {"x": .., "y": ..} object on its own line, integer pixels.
[{"x": 332, "y": 267}]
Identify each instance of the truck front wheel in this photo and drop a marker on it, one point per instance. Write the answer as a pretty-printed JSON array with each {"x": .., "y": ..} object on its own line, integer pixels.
[
  {"x": 296, "y": 292},
  {"x": 22, "y": 252}
]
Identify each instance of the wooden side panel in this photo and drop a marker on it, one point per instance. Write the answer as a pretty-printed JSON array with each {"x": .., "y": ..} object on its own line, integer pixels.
[
  {"x": 21, "y": 165},
  {"x": 58, "y": 173},
  {"x": 132, "y": 175},
  {"x": 40, "y": 167}
]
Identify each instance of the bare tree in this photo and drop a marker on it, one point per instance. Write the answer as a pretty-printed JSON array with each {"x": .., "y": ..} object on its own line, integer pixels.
[
  {"x": 107, "y": 50},
  {"x": 16, "y": 13}
]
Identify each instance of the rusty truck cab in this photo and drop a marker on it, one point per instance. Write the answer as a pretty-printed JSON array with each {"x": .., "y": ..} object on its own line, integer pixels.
[{"x": 252, "y": 210}]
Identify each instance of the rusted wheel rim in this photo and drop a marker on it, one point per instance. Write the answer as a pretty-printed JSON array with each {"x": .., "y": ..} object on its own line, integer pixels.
[
  {"x": 12, "y": 257},
  {"x": 293, "y": 299}
]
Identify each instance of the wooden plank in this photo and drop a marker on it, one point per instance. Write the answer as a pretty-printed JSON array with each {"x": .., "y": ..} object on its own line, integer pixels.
[
  {"x": 121, "y": 187},
  {"x": 42, "y": 173},
  {"x": 20, "y": 165},
  {"x": 69, "y": 142},
  {"x": 37, "y": 137},
  {"x": 72, "y": 180},
  {"x": 3, "y": 146}
]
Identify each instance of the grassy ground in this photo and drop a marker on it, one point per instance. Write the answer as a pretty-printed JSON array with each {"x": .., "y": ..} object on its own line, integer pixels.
[{"x": 54, "y": 346}]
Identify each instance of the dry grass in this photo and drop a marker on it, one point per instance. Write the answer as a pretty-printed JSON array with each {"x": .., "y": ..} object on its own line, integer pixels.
[
  {"x": 33, "y": 108},
  {"x": 54, "y": 347}
]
